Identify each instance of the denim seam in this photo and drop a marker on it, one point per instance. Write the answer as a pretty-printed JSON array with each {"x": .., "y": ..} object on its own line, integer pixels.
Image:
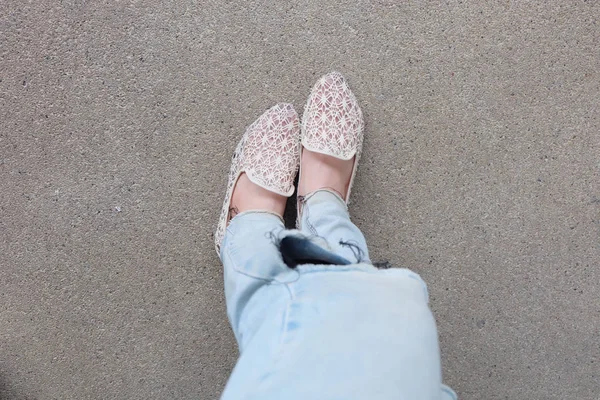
[
  {"x": 250, "y": 212},
  {"x": 306, "y": 216},
  {"x": 287, "y": 315},
  {"x": 284, "y": 330},
  {"x": 451, "y": 392},
  {"x": 237, "y": 317},
  {"x": 337, "y": 268}
]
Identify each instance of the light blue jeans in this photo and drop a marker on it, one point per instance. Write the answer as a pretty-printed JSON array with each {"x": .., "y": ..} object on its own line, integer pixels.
[{"x": 325, "y": 331}]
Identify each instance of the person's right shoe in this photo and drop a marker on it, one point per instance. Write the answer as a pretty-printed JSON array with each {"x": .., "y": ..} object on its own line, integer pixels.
[{"x": 269, "y": 154}]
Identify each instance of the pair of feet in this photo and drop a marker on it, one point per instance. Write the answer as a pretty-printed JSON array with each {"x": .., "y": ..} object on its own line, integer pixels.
[
  {"x": 320, "y": 171},
  {"x": 326, "y": 149}
]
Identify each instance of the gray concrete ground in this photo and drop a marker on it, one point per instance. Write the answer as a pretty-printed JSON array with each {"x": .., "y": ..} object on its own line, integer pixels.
[{"x": 480, "y": 172}]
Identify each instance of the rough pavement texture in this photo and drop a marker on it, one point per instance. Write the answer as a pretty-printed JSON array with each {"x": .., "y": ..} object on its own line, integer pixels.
[{"x": 481, "y": 172}]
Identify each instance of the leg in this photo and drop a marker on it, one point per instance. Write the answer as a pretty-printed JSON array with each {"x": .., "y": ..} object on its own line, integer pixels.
[
  {"x": 357, "y": 333},
  {"x": 323, "y": 331},
  {"x": 261, "y": 178},
  {"x": 251, "y": 261},
  {"x": 349, "y": 332},
  {"x": 325, "y": 214},
  {"x": 332, "y": 135}
]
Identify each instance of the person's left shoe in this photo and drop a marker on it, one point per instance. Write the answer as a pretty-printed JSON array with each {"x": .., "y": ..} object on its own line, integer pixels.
[{"x": 332, "y": 138}]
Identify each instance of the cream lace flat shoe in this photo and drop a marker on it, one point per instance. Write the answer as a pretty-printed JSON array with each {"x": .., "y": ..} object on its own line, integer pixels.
[
  {"x": 269, "y": 154},
  {"x": 333, "y": 123}
]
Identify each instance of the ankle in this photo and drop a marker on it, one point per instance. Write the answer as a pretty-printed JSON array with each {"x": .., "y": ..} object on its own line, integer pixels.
[
  {"x": 328, "y": 193},
  {"x": 321, "y": 171},
  {"x": 247, "y": 196}
]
